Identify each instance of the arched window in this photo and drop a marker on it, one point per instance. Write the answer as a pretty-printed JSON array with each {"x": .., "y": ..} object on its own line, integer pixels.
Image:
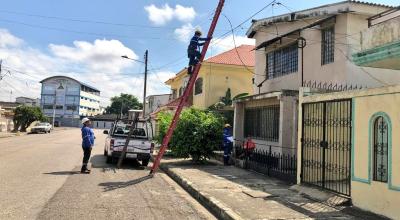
[
  {"x": 198, "y": 89},
  {"x": 380, "y": 140}
]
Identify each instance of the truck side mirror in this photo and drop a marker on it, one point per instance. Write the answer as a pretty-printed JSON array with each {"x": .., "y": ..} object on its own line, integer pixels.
[{"x": 105, "y": 132}]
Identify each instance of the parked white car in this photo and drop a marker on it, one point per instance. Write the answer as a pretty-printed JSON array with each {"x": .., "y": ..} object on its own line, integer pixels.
[{"x": 41, "y": 127}]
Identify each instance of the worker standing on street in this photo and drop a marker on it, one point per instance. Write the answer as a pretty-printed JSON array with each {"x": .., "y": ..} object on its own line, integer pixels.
[
  {"x": 194, "y": 50},
  {"x": 87, "y": 143},
  {"x": 228, "y": 143}
]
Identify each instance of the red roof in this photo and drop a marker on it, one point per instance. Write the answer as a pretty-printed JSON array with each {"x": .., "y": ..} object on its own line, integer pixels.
[{"x": 230, "y": 57}]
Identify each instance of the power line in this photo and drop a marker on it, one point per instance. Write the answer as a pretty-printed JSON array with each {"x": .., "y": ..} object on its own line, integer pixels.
[
  {"x": 215, "y": 42},
  {"x": 83, "y": 32},
  {"x": 85, "y": 21},
  {"x": 237, "y": 52}
]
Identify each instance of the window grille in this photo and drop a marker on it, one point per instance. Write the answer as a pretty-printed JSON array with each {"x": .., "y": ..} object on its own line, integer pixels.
[
  {"x": 381, "y": 137},
  {"x": 328, "y": 46},
  {"x": 262, "y": 123},
  {"x": 282, "y": 61}
]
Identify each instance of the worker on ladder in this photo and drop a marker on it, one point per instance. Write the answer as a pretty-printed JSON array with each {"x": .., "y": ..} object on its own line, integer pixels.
[{"x": 194, "y": 50}]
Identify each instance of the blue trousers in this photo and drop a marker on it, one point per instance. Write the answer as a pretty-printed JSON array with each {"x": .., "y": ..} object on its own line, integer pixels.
[{"x": 227, "y": 152}]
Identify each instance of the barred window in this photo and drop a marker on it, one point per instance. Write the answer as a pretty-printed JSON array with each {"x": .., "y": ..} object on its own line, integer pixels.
[
  {"x": 262, "y": 123},
  {"x": 282, "y": 61},
  {"x": 328, "y": 45},
  {"x": 198, "y": 89},
  {"x": 381, "y": 137}
]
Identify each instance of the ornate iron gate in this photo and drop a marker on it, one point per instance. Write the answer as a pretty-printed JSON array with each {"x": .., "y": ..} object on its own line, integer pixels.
[{"x": 326, "y": 145}]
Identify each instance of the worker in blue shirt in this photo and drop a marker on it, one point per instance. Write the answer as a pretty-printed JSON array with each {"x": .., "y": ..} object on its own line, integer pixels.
[
  {"x": 194, "y": 50},
  {"x": 228, "y": 143},
  {"x": 87, "y": 143}
]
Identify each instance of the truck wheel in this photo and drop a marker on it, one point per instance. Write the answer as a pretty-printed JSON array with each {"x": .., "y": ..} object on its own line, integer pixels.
[
  {"x": 109, "y": 159},
  {"x": 145, "y": 162}
]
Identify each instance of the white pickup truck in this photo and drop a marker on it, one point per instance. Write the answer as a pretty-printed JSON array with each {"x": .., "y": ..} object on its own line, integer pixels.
[{"x": 140, "y": 146}]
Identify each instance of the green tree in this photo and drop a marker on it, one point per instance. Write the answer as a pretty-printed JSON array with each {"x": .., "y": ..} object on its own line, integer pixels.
[
  {"x": 197, "y": 134},
  {"x": 25, "y": 115},
  {"x": 124, "y": 103}
]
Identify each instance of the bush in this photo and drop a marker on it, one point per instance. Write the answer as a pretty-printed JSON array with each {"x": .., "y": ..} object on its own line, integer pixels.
[{"x": 197, "y": 134}]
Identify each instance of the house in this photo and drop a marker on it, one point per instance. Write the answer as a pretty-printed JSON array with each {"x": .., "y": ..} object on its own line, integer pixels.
[
  {"x": 6, "y": 115},
  {"x": 68, "y": 100},
  {"x": 218, "y": 74},
  {"x": 309, "y": 48},
  {"x": 28, "y": 101},
  {"x": 155, "y": 101},
  {"x": 380, "y": 43},
  {"x": 105, "y": 121},
  {"x": 359, "y": 155}
]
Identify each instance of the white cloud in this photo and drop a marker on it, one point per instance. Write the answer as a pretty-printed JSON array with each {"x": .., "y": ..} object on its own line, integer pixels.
[
  {"x": 102, "y": 55},
  {"x": 185, "y": 14},
  {"x": 97, "y": 63},
  {"x": 184, "y": 33},
  {"x": 227, "y": 43},
  {"x": 161, "y": 15},
  {"x": 9, "y": 40}
]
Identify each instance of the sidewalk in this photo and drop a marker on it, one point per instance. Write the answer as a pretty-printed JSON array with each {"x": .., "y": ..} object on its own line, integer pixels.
[{"x": 234, "y": 193}]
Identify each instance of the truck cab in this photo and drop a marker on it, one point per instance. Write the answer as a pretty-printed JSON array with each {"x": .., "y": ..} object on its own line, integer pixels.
[{"x": 140, "y": 146}]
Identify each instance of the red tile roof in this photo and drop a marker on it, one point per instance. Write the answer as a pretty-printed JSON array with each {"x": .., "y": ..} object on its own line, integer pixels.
[{"x": 231, "y": 57}]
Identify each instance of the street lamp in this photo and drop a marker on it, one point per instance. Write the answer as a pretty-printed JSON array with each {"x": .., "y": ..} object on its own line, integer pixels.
[{"x": 145, "y": 76}]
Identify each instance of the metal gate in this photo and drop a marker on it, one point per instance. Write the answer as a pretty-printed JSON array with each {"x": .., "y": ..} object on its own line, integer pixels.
[{"x": 326, "y": 145}]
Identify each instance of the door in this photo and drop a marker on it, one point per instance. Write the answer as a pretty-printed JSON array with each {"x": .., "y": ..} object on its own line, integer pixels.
[{"x": 326, "y": 145}]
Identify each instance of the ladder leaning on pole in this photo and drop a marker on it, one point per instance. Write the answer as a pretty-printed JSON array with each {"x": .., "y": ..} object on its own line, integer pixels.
[{"x": 188, "y": 90}]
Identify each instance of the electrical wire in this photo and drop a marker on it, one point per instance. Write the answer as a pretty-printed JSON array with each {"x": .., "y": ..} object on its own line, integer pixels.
[
  {"x": 234, "y": 43},
  {"x": 83, "y": 32}
]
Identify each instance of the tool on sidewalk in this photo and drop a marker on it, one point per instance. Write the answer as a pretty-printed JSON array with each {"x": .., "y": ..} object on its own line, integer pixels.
[{"x": 188, "y": 90}]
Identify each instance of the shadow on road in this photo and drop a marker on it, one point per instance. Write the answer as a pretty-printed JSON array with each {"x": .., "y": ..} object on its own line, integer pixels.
[
  {"x": 99, "y": 161},
  {"x": 61, "y": 173},
  {"x": 109, "y": 186}
]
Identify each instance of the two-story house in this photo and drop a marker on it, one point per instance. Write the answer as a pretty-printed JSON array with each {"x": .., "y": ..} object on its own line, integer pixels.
[
  {"x": 308, "y": 48},
  {"x": 231, "y": 70}
]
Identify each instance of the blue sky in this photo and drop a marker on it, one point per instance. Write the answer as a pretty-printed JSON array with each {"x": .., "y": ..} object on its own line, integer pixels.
[{"x": 83, "y": 39}]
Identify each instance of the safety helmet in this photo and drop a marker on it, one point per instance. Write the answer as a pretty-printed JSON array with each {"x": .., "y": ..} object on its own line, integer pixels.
[
  {"x": 84, "y": 120},
  {"x": 227, "y": 126},
  {"x": 198, "y": 32}
]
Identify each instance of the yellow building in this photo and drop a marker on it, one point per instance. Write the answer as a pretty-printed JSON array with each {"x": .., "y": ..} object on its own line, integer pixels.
[
  {"x": 361, "y": 154},
  {"x": 218, "y": 74}
]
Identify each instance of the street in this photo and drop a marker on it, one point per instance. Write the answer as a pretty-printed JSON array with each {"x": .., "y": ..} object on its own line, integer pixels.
[{"x": 40, "y": 179}]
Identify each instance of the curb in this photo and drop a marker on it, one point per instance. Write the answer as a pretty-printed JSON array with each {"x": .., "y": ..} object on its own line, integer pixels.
[{"x": 212, "y": 204}]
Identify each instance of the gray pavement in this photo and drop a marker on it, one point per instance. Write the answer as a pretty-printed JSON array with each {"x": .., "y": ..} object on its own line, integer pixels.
[
  {"x": 39, "y": 179},
  {"x": 235, "y": 193}
]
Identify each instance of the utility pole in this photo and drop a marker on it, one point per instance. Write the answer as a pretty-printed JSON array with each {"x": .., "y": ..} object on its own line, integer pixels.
[
  {"x": 54, "y": 106},
  {"x": 146, "y": 55}
]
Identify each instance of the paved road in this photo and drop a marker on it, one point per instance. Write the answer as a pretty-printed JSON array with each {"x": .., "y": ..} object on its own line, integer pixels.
[{"x": 39, "y": 179}]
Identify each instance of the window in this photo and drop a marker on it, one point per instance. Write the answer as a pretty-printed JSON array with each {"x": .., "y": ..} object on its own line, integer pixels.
[
  {"x": 282, "y": 61},
  {"x": 174, "y": 94},
  {"x": 48, "y": 99},
  {"x": 71, "y": 107},
  {"x": 198, "y": 89},
  {"x": 328, "y": 46},
  {"x": 59, "y": 107},
  {"x": 47, "y": 106},
  {"x": 262, "y": 123},
  {"x": 380, "y": 140},
  {"x": 180, "y": 91}
]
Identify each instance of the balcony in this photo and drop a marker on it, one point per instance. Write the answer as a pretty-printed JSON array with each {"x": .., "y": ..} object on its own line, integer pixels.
[{"x": 380, "y": 43}]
